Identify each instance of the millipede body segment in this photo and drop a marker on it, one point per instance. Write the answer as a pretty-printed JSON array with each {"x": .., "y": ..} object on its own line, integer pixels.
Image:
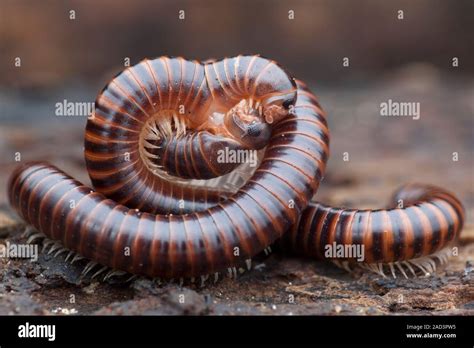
[
  {"x": 162, "y": 127},
  {"x": 430, "y": 220}
]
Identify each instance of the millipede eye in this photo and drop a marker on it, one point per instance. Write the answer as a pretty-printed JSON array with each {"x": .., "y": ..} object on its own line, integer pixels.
[
  {"x": 253, "y": 130},
  {"x": 287, "y": 103},
  {"x": 256, "y": 135}
]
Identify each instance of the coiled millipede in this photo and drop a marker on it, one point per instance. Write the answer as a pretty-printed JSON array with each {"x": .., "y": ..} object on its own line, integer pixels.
[{"x": 151, "y": 151}]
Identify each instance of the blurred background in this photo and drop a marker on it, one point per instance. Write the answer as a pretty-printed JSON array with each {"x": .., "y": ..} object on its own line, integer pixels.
[
  {"x": 56, "y": 49},
  {"x": 399, "y": 50}
]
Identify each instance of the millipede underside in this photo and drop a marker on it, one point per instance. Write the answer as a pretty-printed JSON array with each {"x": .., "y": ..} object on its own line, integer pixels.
[{"x": 423, "y": 266}]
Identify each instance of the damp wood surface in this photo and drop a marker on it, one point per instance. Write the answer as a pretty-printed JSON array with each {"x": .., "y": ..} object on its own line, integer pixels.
[{"x": 384, "y": 153}]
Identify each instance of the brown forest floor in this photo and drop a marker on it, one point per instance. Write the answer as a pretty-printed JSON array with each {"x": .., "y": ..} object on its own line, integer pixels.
[{"x": 384, "y": 153}]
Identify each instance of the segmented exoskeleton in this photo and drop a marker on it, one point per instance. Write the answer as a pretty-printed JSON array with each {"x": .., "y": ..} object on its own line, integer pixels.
[
  {"x": 157, "y": 130},
  {"x": 430, "y": 220}
]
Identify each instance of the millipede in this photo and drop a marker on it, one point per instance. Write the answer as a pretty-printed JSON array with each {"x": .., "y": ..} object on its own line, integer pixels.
[{"x": 160, "y": 190}]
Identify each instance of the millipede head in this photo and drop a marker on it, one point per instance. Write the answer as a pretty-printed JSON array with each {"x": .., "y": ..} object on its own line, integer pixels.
[{"x": 246, "y": 124}]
